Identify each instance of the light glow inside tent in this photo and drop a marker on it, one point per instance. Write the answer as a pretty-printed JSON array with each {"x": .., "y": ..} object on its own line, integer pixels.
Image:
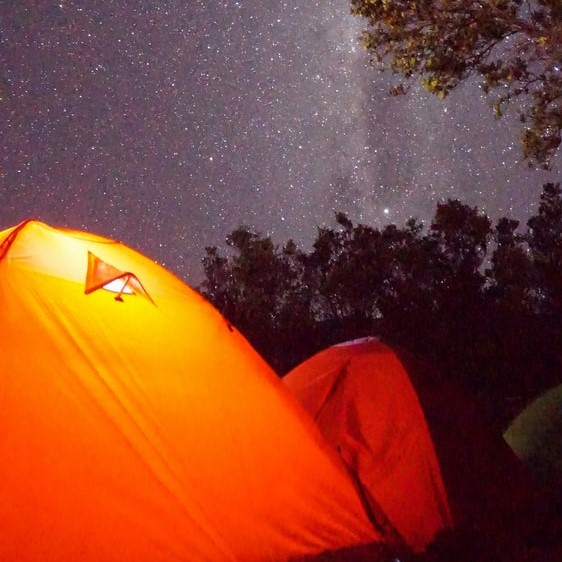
[{"x": 119, "y": 286}]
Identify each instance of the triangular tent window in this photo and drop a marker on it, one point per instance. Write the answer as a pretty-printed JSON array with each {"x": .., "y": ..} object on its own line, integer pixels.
[{"x": 102, "y": 275}]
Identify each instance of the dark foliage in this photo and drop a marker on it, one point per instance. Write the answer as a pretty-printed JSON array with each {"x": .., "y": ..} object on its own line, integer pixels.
[
  {"x": 512, "y": 47},
  {"x": 482, "y": 303}
]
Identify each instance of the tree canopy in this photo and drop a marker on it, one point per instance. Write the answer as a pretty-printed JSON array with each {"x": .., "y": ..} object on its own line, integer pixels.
[
  {"x": 512, "y": 46},
  {"x": 481, "y": 302}
]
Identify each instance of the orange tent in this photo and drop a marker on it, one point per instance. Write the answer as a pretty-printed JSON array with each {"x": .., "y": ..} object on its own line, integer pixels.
[
  {"x": 364, "y": 403},
  {"x": 137, "y": 425}
]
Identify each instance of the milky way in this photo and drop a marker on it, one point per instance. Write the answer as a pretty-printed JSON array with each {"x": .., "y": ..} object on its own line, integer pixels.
[{"x": 166, "y": 126}]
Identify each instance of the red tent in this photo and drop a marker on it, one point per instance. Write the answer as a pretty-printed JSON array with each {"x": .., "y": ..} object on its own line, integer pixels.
[
  {"x": 363, "y": 401},
  {"x": 415, "y": 442}
]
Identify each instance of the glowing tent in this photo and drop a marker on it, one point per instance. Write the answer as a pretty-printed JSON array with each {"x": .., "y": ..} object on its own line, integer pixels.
[
  {"x": 137, "y": 425},
  {"x": 414, "y": 442}
]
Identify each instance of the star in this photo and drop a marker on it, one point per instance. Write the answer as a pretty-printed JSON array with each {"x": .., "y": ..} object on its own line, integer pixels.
[{"x": 168, "y": 125}]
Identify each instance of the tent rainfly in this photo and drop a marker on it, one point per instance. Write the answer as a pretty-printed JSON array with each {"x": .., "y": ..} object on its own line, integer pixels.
[{"x": 137, "y": 425}]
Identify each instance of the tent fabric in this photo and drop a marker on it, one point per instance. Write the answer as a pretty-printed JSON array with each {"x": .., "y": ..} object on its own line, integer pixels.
[
  {"x": 148, "y": 429},
  {"x": 363, "y": 401},
  {"x": 535, "y": 435}
]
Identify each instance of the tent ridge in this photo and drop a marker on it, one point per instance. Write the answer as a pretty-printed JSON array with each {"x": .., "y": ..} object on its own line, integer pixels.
[{"x": 9, "y": 240}]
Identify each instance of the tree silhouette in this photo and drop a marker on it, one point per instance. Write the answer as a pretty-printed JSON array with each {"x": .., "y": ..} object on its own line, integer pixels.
[
  {"x": 481, "y": 303},
  {"x": 260, "y": 290}
]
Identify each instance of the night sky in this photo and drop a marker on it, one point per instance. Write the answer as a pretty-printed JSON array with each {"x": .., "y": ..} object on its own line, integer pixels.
[{"x": 168, "y": 124}]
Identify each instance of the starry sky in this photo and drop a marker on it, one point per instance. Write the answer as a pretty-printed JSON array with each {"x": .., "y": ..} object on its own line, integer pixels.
[{"x": 168, "y": 124}]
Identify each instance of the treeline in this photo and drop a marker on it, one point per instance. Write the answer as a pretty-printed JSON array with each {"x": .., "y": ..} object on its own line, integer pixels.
[{"x": 480, "y": 302}]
